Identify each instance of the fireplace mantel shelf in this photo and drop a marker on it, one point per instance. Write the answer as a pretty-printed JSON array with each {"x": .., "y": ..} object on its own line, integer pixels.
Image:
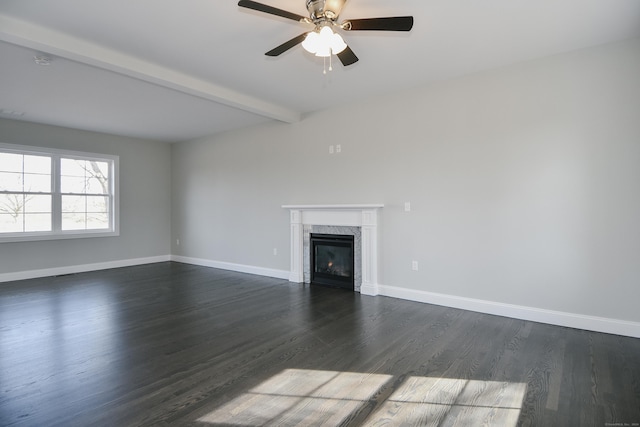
[
  {"x": 337, "y": 207},
  {"x": 364, "y": 216}
]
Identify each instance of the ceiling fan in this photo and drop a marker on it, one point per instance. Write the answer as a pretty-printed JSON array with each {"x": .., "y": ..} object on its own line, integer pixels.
[{"x": 322, "y": 40}]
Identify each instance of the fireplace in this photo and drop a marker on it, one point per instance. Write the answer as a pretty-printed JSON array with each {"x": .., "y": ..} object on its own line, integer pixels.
[
  {"x": 332, "y": 260},
  {"x": 363, "y": 217}
]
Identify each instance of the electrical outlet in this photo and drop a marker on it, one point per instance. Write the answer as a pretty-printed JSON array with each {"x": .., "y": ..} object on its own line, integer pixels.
[
  {"x": 338, "y": 148},
  {"x": 414, "y": 265},
  {"x": 275, "y": 251},
  {"x": 177, "y": 242},
  {"x": 331, "y": 149},
  {"x": 407, "y": 206}
]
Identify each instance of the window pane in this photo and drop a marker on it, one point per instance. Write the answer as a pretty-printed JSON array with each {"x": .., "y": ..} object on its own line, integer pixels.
[
  {"x": 97, "y": 204},
  {"x": 97, "y": 221},
  {"x": 74, "y": 221},
  {"x": 73, "y": 184},
  {"x": 37, "y": 222},
  {"x": 85, "y": 212},
  {"x": 11, "y": 223},
  {"x": 37, "y": 183},
  {"x": 72, "y": 167},
  {"x": 72, "y": 204},
  {"x": 37, "y": 164},
  {"x": 37, "y": 204},
  {"x": 11, "y": 204},
  {"x": 11, "y": 181},
  {"x": 98, "y": 185},
  {"x": 100, "y": 168},
  {"x": 10, "y": 162}
]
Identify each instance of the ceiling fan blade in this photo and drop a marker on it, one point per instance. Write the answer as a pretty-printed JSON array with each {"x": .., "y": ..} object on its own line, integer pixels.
[
  {"x": 395, "y": 23},
  {"x": 347, "y": 57},
  {"x": 287, "y": 45},
  {"x": 270, "y": 10}
]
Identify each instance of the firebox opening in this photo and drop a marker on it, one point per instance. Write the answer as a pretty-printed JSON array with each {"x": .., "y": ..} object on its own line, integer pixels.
[{"x": 332, "y": 260}]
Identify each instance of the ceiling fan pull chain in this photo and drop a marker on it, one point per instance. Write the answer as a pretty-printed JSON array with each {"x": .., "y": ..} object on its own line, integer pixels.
[
  {"x": 330, "y": 60},
  {"x": 324, "y": 62}
]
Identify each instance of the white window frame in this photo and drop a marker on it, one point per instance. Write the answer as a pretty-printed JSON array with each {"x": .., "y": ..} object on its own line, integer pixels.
[{"x": 56, "y": 193}]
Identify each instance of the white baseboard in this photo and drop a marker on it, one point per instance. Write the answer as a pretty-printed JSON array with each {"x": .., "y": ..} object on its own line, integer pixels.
[
  {"x": 241, "y": 268},
  {"x": 370, "y": 289},
  {"x": 71, "y": 269},
  {"x": 558, "y": 318}
]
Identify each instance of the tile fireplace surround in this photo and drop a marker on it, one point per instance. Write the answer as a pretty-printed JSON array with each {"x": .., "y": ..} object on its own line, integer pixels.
[{"x": 363, "y": 216}]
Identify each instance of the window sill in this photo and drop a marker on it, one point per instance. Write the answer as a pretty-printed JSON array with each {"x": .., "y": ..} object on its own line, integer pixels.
[{"x": 76, "y": 234}]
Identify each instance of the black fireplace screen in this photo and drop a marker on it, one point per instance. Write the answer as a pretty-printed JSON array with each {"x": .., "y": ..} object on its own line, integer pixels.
[{"x": 332, "y": 260}]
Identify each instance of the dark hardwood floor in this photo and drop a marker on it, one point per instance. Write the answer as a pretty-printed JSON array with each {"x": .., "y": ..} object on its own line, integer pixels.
[{"x": 174, "y": 344}]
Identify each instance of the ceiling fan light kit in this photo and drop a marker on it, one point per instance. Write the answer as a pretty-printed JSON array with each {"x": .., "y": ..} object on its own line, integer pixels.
[{"x": 323, "y": 41}]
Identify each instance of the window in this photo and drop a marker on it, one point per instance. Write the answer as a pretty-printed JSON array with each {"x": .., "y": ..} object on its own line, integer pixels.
[{"x": 53, "y": 194}]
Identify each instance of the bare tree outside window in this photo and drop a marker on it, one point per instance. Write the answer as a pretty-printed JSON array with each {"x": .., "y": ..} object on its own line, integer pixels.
[
  {"x": 97, "y": 174},
  {"x": 13, "y": 205}
]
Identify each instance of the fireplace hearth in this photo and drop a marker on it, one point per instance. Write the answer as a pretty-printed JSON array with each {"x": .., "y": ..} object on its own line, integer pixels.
[{"x": 332, "y": 260}]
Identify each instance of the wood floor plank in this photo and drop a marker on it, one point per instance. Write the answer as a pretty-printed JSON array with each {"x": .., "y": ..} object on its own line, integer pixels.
[{"x": 172, "y": 344}]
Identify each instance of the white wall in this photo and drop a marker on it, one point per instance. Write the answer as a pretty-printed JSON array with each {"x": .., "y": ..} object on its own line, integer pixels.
[
  {"x": 145, "y": 203},
  {"x": 524, "y": 184}
]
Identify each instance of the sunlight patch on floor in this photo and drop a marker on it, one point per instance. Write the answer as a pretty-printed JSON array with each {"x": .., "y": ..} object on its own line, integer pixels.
[
  {"x": 426, "y": 401},
  {"x": 309, "y": 397},
  {"x": 300, "y": 397}
]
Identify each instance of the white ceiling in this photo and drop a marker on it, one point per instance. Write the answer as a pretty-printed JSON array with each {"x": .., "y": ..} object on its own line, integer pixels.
[{"x": 178, "y": 70}]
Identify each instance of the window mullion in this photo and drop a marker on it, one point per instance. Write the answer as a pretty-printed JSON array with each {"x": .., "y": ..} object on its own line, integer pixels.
[{"x": 56, "y": 195}]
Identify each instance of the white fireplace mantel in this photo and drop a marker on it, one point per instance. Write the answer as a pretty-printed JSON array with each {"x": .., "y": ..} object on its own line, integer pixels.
[{"x": 363, "y": 216}]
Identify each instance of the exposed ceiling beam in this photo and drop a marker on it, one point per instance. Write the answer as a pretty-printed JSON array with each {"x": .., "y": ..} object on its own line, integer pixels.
[{"x": 55, "y": 43}]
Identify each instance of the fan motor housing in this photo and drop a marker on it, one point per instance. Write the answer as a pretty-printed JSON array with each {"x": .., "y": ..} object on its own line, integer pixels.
[{"x": 325, "y": 9}]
